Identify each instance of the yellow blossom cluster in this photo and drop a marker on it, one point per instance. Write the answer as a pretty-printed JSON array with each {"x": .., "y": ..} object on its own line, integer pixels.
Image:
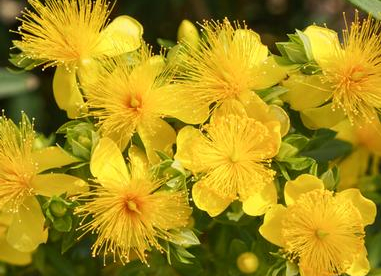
[{"x": 210, "y": 105}]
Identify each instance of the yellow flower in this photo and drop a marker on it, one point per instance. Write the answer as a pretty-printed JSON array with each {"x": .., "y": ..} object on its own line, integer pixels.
[
  {"x": 21, "y": 180},
  {"x": 321, "y": 231},
  {"x": 131, "y": 98},
  {"x": 350, "y": 77},
  {"x": 233, "y": 156},
  {"x": 7, "y": 253},
  {"x": 366, "y": 141},
  {"x": 127, "y": 210},
  {"x": 229, "y": 65},
  {"x": 70, "y": 34}
]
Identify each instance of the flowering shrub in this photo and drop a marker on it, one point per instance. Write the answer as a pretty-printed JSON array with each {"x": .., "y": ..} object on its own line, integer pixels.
[{"x": 213, "y": 157}]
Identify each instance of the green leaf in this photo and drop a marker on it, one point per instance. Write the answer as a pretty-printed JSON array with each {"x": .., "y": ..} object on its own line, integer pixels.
[
  {"x": 306, "y": 44},
  {"x": 370, "y": 6},
  {"x": 291, "y": 269},
  {"x": 163, "y": 156},
  {"x": 63, "y": 224},
  {"x": 328, "y": 151},
  {"x": 166, "y": 43},
  {"x": 298, "y": 163},
  {"x": 184, "y": 236},
  {"x": 286, "y": 150},
  {"x": 16, "y": 83},
  {"x": 295, "y": 53},
  {"x": 283, "y": 170},
  {"x": 331, "y": 178},
  {"x": 180, "y": 253},
  {"x": 70, "y": 238},
  {"x": 21, "y": 61},
  {"x": 297, "y": 140},
  {"x": 270, "y": 93},
  {"x": 237, "y": 247}
]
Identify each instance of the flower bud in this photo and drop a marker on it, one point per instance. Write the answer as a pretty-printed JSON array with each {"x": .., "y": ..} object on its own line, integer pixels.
[
  {"x": 188, "y": 33},
  {"x": 247, "y": 262},
  {"x": 58, "y": 208}
]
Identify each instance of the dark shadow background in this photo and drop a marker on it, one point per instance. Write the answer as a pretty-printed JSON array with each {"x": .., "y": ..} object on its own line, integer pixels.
[{"x": 272, "y": 19}]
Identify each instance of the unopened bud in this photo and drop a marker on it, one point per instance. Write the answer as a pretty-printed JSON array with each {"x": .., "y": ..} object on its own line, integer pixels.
[
  {"x": 247, "y": 262},
  {"x": 188, "y": 33},
  {"x": 58, "y": 209}
]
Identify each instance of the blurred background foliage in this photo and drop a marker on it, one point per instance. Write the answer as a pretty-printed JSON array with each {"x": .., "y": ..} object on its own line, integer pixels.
[{"x": 273, "y": 19}]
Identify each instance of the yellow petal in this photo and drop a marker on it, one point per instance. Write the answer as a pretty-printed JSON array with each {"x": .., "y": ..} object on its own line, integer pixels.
[
  {"x": 12, "y": 256},
  {"x": 209, "y": 201},
  {"x": 177, "y": 103},
  {"x": 321, "y": 117},
  {"x": 107, "y": 162},
  {"x": 255, "y": 107},
  {"x": 280, "y": 115},
  {"x": 57, "y": 183},
  {"x": 302, "y": 184},
  {"x": 260, "y": 203},
  {"x": 352, "y": 167},
  {"x": 360, "y": 266},
  {"x": 367, "y": 208},
  {"x": 187, "y": 33},
  {"x": 123, "y": 34},
  {"x": 5, "y": 220},
  {"x": 268, "y": 74},
  {"x": 52, "y": 157},
  {"x": 324, "y": 42},
  {"x": 369, "y": 136},
  {"x": 27, "y": 231},
  {"x": 305, "y": 91},
  {"x": 346, "y": 131},
  {"x": 66, "y": 91},
  {"x": 271, "y": 229},
  {"x": 139, "y": 162},
  {"x": 252, "y": 40},
  {"x": 230, "y": 106},
  {"x": 187, "y": 138},
  {"x": 121, "y": 138},
  {"x": 272, "y": 141},
  {"x": 157, "y": 135}
]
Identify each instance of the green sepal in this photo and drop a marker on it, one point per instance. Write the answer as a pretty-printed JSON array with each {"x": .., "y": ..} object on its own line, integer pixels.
[
  {"x": 24, "y": 62},
  {"x": 331, "y": 178}
]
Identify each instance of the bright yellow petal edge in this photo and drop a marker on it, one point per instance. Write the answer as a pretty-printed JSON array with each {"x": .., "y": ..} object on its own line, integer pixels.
[
  {"x": 107, "y": 162},
  {"x": 302, "y": 184}
]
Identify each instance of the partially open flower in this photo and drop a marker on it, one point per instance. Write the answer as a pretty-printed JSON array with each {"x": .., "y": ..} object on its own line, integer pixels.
[{"x": 321, "y": 231}]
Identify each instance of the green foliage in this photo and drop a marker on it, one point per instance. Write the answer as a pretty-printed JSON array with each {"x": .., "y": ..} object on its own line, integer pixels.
[
  {"x": 372, "y": 7},
  {"x": 81, "y": 137},
  {"x": 12, "y": 83},
  {"x": 297, "y": 51},
  {"x": 59, "y": 212}
]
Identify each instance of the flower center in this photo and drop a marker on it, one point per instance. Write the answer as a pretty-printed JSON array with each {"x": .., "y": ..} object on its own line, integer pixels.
[
  {"x": 321, "y": 234},
  {"x": 132, "y": 206},
  {"x": 134, "y": 103}
]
